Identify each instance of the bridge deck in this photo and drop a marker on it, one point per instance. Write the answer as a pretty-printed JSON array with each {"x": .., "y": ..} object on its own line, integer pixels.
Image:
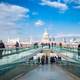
[{"x": 48, "y": 72}]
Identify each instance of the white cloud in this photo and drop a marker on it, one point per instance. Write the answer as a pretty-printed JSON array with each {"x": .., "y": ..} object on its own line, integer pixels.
[
  {"x": 76, "y": 1},
  {"x": 77, "y": 7},
  {"x": 55, "y": 4},
  {"x": 39, "y": 23},
  {"x": 34, "y": 13},
  {"x": 67, "y": 35},
  {"x": 9, "y": 16},
  {"x": 71, "y": 1},
  {"x": 61, "y": 6}
]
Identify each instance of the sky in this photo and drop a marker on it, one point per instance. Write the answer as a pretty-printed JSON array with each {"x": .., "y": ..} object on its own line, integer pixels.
[{"x": 25, "y": 18}]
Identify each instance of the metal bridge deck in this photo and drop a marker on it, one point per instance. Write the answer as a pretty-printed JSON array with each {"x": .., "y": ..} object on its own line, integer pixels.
[{"x": 48, "y": 72}]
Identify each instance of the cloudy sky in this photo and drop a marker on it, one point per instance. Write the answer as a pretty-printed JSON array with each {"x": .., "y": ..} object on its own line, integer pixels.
[{"x": 24, "y": 18}]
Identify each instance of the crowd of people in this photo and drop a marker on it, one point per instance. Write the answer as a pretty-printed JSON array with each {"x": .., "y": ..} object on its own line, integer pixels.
[
  {"x": 46, "y": 60},
  {"x": 48, "y": 44}
]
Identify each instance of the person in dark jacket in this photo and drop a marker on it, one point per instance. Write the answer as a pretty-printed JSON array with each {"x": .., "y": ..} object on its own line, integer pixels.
[
  {"x": 52, "y": 44},
  {"x": 52, "y": 59},
  {"x": 49, "y": 45},
  {"x": 43, "y": 60},
  {"x": 2, "y": 46},
  {"x": 17, "y": 47},
  {"x": 60, "y": 44},
  {"x": 59, "y": 59},
  {"x": 38, "y": 60},
  {"x": 78, "y": 50},
  {"x": 46, "y": 59}
]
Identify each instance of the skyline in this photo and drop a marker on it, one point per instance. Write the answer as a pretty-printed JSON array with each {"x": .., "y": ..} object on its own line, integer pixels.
[{"x": 25, "y": 18}]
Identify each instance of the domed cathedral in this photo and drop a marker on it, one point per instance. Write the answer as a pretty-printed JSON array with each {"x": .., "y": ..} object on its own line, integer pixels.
[{"x": 45, "y": 38}]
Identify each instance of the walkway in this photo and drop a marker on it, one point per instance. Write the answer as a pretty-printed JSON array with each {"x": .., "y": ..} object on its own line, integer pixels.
[{"x": 48, "y": 72}]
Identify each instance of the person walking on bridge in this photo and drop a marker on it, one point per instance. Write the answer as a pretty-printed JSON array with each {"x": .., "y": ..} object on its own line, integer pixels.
[
  {"x": 38, "y": 60},
  {"x": 52, "y": 59},
  {"x": 2, "y": 46},
  {"x": 59, "y": 59},
  {"x": 78, "y": 51},
  {"x": 49, "y": 45},
  {"x": 52, "y": 44},
  {"x": 43, "y": 60},
  {"x": 46, "y": 59},
  {"x": 17, "y": 47}
]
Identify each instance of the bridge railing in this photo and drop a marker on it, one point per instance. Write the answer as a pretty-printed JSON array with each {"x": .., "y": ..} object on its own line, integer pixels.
[
  {"x": 15, "y": 70},
  {"x": 11, "y": 51},
  {"x": 13, "y": 57},
  {"x": 68, "y": 51},
  {"x": 73, "y": 67}
]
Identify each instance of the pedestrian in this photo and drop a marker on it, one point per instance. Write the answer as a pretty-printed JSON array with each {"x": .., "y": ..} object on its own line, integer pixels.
[
  {"x": 55, "y": 59},
  {"x": 60, "y": 45},
  {"x": 59, "y": 59},
  {"x": 49, "y": 45},
  {"x": 38, "y": 60},
  {"x": 2, "y": 46},
  {"x": 52, "y": 59},
  {"x": 52, "y": 44},
  {"x": 43, "y": 60},
  {"x": 17, "y": 47},
  {"x": 46, "y": 59},
  {"x": 78, "y": 51}
]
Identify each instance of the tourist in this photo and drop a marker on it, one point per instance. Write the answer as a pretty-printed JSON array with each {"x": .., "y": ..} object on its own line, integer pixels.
[
  {"x": 2, "y": 46},
  {"x": 56, "y": 59},
  {"x": 46, "y": 59},
  {"x": 43, "y": 60},
  {"x": 59, "y": 59},
  {"x": 52, "y": 59},
  {"x": 38, "y": 60},
  {"x": 17, "y": 46},
  {"x": 49, "y": 45},
  {"x": 52, "y": 44},
  {"x": 60, "y": 44},
  {"x": 78, "y": 50}
]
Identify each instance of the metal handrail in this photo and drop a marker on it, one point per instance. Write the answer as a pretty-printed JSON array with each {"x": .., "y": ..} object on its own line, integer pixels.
[
  {"x": 11, "y": 51},
  {"x": 73, "y": 67}
]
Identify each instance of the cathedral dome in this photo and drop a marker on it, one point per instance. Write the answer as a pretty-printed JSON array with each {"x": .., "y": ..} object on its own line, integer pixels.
[
  {"x": 45, "y": 38},
  {"x": 45, "y": 34}
]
